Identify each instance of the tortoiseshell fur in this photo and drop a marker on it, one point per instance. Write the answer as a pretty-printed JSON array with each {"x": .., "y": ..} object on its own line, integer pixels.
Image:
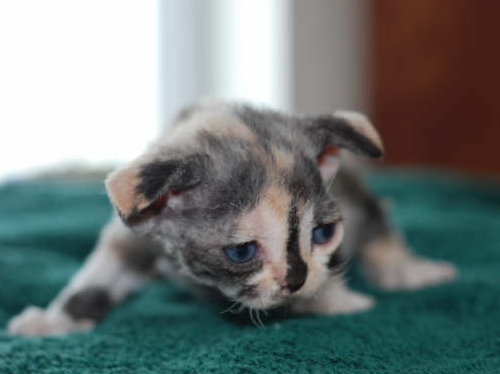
[{"x": 225, "y": 174}]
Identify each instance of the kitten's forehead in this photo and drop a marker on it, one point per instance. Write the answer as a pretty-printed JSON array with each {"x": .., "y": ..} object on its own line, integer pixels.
[
  {"x": 253, "y": 155},
  {"x": 218, "y": 119},
  {"x": 269, "y": 221}
]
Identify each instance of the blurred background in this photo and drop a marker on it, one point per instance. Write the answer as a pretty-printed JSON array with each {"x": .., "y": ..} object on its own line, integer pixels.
[{"x": 91, "y": 81}]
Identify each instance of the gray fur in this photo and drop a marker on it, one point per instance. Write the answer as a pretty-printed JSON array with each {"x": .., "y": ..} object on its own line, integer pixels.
[
  {"x": 367, "y": 219},
  {"x": 227, "y": 174},
  {"x": 235, "y": 178},
  {"x": 229, "y": 183}
]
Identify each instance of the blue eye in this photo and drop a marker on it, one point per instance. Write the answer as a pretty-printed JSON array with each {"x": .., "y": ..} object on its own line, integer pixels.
[
  {"x": 323, "y": 233},
  {"x": 241, "y": 253}
]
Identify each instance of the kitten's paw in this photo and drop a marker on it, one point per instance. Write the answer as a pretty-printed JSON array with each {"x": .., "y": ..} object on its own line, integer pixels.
[
  {"x": 34, "y": 321},
  {"x": 411, "y": 274},
  {"x": 339, "y": 300},
  {"x": 350, "y": 302}
]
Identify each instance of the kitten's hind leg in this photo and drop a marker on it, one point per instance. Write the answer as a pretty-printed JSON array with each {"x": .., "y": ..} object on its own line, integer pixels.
[
  {"x": 389, "y": 264},
  {"x": 120, "y": 263},
  {"x": 385, "y": 258}
]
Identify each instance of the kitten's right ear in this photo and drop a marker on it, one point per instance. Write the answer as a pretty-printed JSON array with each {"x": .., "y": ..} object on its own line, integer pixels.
[
  {"x": 342, "y": 130},
  {"x": 142, "y": 189}
]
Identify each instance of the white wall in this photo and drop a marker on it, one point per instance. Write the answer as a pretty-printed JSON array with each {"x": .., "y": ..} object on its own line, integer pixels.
[
  {"x": 85, "y": 80},
  {"x": 230, "y": 49},
  {"x": 78, "y": 81},
  {"x": 305, "y": 56},
  {"x": 330, "y": 55}
]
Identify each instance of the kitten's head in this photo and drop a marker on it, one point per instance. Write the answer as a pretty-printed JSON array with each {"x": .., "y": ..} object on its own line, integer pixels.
[{"x": 238, "y": 196}]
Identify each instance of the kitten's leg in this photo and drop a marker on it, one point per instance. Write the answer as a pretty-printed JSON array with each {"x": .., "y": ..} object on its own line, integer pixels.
[
  {"x": 388, "y": 263},
  {"x": 334, "y": 297},
  {"x": 385, "y": 258},
  {"x": 120, "y": 263}
]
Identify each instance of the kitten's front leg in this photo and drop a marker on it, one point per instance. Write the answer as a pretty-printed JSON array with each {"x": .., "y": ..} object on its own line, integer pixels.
[
  {"x": 334, "y": 297},
  {"x": 117, "y": 266}
]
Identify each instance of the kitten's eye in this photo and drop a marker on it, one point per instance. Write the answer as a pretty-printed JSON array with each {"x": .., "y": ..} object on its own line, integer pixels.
[
  {"x": 241, "y": 253},
  {"x": 323, "y": 233}
]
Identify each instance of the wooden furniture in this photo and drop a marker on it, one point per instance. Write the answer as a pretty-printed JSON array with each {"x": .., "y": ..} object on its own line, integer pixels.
[{"x": 436, "y": 82}]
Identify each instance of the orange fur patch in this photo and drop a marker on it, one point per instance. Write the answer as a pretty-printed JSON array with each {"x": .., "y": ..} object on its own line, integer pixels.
[
  {"x": 121, "y": 186},
  {"x": 283, "y": 160}
]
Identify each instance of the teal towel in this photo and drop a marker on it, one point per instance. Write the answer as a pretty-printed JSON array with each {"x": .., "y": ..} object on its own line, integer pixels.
[{"x": 47, "y": 229}]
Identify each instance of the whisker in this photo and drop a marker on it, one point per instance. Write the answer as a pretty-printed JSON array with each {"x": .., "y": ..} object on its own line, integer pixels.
[
  {"x": 241, "y": 308},
  {"x": 261, "y": 324},
  {"x": 330, "y": 183},
  {"x": 230, "y": 308},
  {"x": 250, "y": 310}
]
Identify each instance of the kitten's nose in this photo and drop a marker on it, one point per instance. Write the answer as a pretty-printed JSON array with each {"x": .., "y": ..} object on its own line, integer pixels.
[{"x": 295, "y": 286}]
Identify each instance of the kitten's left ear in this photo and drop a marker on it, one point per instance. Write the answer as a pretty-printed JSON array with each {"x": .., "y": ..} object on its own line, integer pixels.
[{"x": 344, "y": 129}]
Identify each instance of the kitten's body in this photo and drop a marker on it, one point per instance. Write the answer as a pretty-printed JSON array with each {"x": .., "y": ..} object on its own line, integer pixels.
[{"x": 233, "y": 180}]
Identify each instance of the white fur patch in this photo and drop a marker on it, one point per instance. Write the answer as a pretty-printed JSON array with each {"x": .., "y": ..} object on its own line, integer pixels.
[
  {"x": 333, "y": 298},
  {"x": 269, "y": 222},
  {"x": 35, "y": 321},
  {"x": 414, "y": 273},
  {"x": 390, "y": 265},
  {"x": 318, "y": 255}
]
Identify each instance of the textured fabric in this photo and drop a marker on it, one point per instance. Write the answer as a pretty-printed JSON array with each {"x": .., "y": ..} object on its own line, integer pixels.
[{"x": 47, "y": 228}]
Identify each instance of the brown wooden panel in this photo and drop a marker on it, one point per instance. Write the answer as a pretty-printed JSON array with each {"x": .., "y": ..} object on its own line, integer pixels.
[{"x": 436, "y": 82}]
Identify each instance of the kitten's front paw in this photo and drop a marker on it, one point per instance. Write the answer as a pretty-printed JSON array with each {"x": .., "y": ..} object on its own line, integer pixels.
[
  {"x": 350, "y": 302},
  {"x": 413, "y": 273},
  {"x": 338, "y": 300},
  {"x": 34, "y": 321}
]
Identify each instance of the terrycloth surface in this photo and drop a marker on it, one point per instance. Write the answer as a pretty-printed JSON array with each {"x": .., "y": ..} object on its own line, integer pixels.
[{"x": 47, "y": 228}]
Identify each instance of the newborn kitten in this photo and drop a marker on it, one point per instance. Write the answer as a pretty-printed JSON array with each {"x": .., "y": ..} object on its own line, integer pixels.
[{"x": 243, "y": 201}]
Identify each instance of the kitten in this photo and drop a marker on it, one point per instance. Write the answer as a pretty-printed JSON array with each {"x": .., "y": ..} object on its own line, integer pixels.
[{"x": 243, "y": 201}]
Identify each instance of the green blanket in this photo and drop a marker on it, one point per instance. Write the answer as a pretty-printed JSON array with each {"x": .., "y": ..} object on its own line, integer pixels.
[{"x": 47, "y": 228}]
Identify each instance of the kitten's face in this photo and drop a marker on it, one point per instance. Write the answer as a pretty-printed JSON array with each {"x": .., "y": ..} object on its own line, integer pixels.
[
  {"x": 263, "y": 248},
  {"x": 285, "y": 243},
  {"x": 238, "y": 197}
]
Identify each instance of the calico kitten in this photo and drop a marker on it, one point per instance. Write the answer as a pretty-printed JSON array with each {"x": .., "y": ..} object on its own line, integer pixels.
[{"x": 243, "y": 201}]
